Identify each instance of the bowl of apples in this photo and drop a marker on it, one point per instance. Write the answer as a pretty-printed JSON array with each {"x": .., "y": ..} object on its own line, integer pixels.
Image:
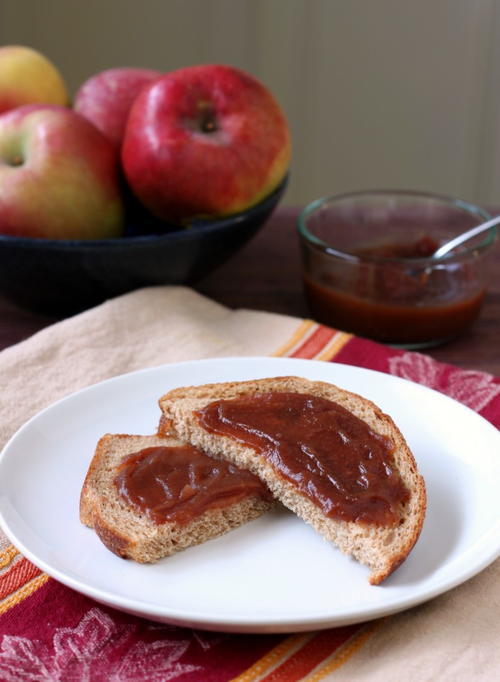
[{"x": 147, "y": 179}]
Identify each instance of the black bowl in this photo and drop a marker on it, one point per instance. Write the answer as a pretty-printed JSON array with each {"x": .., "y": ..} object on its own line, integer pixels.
[{"x": 61, "y": 277}]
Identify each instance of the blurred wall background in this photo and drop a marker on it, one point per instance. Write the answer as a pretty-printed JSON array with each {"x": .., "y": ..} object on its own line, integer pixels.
[{"x": 378, "y": 93}]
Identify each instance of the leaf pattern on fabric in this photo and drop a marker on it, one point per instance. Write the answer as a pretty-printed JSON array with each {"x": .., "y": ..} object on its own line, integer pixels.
[
  {"x": 470, "y": 387},
  {"x": 89, "y": 651}
]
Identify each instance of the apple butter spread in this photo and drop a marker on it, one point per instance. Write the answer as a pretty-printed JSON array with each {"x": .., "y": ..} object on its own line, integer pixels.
[
  {"x": 177, "y": 484},
  {"x": 332, "y": 456},
  {"x": 388, "y": 301},
  {"x": 390, "y": 321},
  {"x": 423, "y": 247}
]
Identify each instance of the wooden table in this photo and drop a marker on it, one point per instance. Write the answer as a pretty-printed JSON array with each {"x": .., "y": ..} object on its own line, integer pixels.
[{"x": 265, "y": 275}]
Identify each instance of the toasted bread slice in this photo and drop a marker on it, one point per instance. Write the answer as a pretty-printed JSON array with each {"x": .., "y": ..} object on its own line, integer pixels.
[
  {"x": 381, "y": 547},
  {"x": 128, "y": 531}
]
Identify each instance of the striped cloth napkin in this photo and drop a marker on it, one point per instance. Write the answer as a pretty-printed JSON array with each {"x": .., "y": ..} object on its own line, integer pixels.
[{"x": 49, "y": 632}]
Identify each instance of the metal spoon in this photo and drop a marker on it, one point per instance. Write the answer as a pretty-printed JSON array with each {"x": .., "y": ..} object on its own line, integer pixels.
[{"x": 456, "y": 241}]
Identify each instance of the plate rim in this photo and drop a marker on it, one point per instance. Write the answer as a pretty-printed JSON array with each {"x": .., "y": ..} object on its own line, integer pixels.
[{"x": 245, "y": 623}]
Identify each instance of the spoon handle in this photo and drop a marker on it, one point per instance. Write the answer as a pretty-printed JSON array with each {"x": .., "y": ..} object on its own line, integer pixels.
[{"x": 453, "y": 243}]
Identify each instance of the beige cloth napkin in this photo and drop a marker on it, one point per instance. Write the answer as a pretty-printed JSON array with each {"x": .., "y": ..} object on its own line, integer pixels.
[
  {"x": 146, "y": 328},
  {"x": 455, "y": 637}
]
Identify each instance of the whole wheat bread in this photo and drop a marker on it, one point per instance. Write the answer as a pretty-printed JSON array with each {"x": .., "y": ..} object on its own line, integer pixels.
[
  {"x": 130, "y": 533},
  {"x": 381, "y": 548}
]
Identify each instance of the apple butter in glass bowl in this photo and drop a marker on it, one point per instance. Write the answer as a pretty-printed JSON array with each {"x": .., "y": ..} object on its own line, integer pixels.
[{"x": 368, "y": 266}]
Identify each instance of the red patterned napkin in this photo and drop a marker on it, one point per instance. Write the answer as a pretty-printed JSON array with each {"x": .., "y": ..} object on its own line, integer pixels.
[{"x": 49, "y": 632}]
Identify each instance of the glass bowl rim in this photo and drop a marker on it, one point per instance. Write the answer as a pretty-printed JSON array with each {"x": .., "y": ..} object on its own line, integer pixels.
[{"x": 461, "y": 255}]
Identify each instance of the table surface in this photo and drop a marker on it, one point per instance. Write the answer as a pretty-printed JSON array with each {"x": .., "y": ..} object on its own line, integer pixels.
[{"x": 265, "y": 275}]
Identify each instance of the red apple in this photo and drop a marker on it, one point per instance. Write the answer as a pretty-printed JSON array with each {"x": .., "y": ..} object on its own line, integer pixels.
[
  {"x": 105, "y": 99},
  {"x": 58, "y": 176},
  {"x": 206, "y": 140},
  {"x": 28, "y": 77}
]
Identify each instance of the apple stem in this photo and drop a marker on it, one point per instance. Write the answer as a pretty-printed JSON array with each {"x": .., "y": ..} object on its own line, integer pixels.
[
  {"x": 209, "y": 125},
  {"x": 16, "y": 160}
]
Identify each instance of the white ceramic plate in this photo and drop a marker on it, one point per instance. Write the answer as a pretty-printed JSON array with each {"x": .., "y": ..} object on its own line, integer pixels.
[{"x": 275, "y": 574}]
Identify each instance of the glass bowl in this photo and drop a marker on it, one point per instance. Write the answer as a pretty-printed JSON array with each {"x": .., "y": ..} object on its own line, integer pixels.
[{"x": 367, "y": 265}]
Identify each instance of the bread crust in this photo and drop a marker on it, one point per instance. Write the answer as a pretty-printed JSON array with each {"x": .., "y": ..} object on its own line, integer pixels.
[
  {"x": 383, "y": 549},
  {"x": 130, "y": 534}
]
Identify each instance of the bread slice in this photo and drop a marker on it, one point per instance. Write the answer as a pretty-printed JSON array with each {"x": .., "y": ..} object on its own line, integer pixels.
[
  {"x": 382, "y": 548},
  {"x": 130, "y": 533}
]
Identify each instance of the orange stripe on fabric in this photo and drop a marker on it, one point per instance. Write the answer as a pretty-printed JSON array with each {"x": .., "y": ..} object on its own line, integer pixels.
[
  {"x": 7, "y": 556},
  {"x": 315, "y": 343},
  {"x": 18, "y": 575},
  {"x": 24, "y": 592},
  {"x": 301, "y": 331},
  {"x": 272, "y": 658},
  {"x": 339, "y": 657},
  {"x": 321, "y": 646},
  {"x": 334, "y": 347}
]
